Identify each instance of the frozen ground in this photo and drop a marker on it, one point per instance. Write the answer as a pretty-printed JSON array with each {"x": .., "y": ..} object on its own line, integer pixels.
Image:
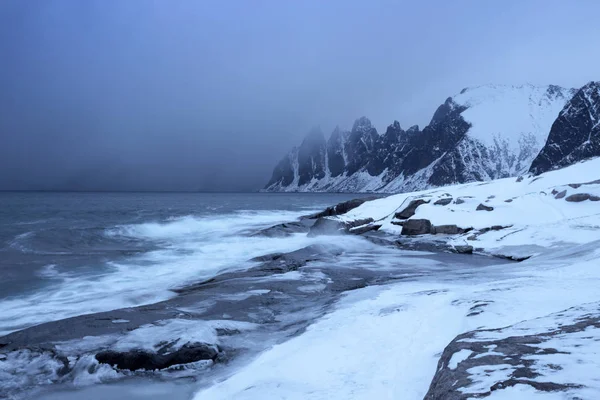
[{"x": 515, "y": 331}]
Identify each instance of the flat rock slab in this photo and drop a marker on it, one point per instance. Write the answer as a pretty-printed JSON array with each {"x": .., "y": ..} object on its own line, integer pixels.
[{"x": 480, "y": 362}]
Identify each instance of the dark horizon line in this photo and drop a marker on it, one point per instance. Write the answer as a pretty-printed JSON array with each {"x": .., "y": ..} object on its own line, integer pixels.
[{"x": 179, "y": 191}]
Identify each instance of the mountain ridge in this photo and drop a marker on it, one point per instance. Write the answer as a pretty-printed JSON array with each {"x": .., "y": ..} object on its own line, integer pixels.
[{"x": 469, "y": 138}]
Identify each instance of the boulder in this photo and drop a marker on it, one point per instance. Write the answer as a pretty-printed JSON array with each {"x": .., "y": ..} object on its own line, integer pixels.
[
  {"x": 579, "y": 197},
  {"x": 416, "y": 227},
  {"x": 464, "y": 249},
  {"x": 482, "y": 207},
  {"x": 399, "y": 223},
  {"x": 560, "y": 195},
  {"x": 508, "y": 200},
  {"x": 410, "y": 210},
  {"x": 459, "y": 201},
  {"x": 139, "y": 359},
  {"x": 443, "y": 202}
]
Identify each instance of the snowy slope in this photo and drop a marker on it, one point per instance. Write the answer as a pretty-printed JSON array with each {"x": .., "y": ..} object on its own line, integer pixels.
[
  {"x": 512, "y": 122},
  {"x": 512, "y": 331},
  {"x": 534, "y": 214},
  {"x": 482, "y": 133}
]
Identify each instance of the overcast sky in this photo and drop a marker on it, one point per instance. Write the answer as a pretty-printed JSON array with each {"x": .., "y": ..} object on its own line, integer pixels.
[{"x": 188, "y": 95}]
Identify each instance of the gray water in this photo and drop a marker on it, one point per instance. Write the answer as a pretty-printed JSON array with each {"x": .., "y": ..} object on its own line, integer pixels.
[{"x": 57, "y": 242}]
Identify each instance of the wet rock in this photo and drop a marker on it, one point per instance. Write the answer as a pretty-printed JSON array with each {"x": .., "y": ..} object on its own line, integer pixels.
[
  {"x": 482, "y": 207},
  {"x": 463, "y": 249},
  {"x": 327, "y": 226},
  {"x": 138, "y": 359},
  {"x": 443, "y": 202},
  {"x": 283, "y": 230},
  {"x": 579, "y": 197},
  {"x": 416, "y": 227},
  {"x": 410, "y": 210},
  {"x": 359, "y": 230},
  {"x": 560, "y": 195},
  {"x": 340, "y": 208},
  {"x": 267, "y": 257}
]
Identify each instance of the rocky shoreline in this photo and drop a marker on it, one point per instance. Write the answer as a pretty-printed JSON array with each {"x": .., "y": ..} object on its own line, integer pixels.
[{"x": 255, "y": 296}]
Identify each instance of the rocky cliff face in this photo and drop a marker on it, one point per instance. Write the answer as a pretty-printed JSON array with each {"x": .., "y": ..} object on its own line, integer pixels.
[
  {"x": 575, "y": 135},
  {"x": 483, "y": 133}
]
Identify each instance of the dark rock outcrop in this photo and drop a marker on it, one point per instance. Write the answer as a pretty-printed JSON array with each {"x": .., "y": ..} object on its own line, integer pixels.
[
  {"x": 447, "y": 230},
  {"x": 575, "y": 135},
  {"x": 443, "y": 202},
  {"x": 341, "y": 208},
  {"x": 138, "y": 359},
  {"x": 527, "y": 358},
  {"x": 483, "y": 207},
  {"x": 410, "y": 210},
  {"x": 560, "y": 194},
  {"x": 416, "y": 227}
]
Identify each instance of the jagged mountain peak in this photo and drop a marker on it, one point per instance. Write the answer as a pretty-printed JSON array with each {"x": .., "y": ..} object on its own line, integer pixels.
[
  {"x": 482, "y": 133},
  {"x": 362, "y": 124},
  {"x": 413, "y": 129},
  {"x": 575, "y": 135}
]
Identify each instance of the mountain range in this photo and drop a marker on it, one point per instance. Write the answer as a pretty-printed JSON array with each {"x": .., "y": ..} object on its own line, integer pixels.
[{"x": 482, "y": 133}]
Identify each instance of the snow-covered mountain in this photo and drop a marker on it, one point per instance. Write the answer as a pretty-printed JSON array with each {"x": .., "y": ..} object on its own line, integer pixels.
[
  {"x": 575, "y": 135},
  {"x": 483, "y": 133}
]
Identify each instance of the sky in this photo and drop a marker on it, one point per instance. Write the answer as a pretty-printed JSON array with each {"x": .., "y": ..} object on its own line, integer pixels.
[{"x": 209, "y": 95}]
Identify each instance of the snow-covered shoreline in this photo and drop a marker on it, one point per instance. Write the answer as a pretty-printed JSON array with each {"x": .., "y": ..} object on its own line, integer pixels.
[{"x": 459, "y": 331}]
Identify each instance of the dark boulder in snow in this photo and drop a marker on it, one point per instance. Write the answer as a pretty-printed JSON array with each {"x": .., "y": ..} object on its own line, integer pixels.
[
  {"x": 482, "y": 207},
  {"x": 579, "y": 197},
  {"x": 443, "y": 202},
  {"x": 416, "y": 227}
]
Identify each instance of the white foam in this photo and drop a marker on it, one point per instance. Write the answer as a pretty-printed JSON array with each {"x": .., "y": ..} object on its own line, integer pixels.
[{"x": 193, "y": 249}]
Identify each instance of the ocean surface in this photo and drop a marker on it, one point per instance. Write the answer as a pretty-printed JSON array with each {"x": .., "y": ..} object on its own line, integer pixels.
[{"x": 67, "y": 254}]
